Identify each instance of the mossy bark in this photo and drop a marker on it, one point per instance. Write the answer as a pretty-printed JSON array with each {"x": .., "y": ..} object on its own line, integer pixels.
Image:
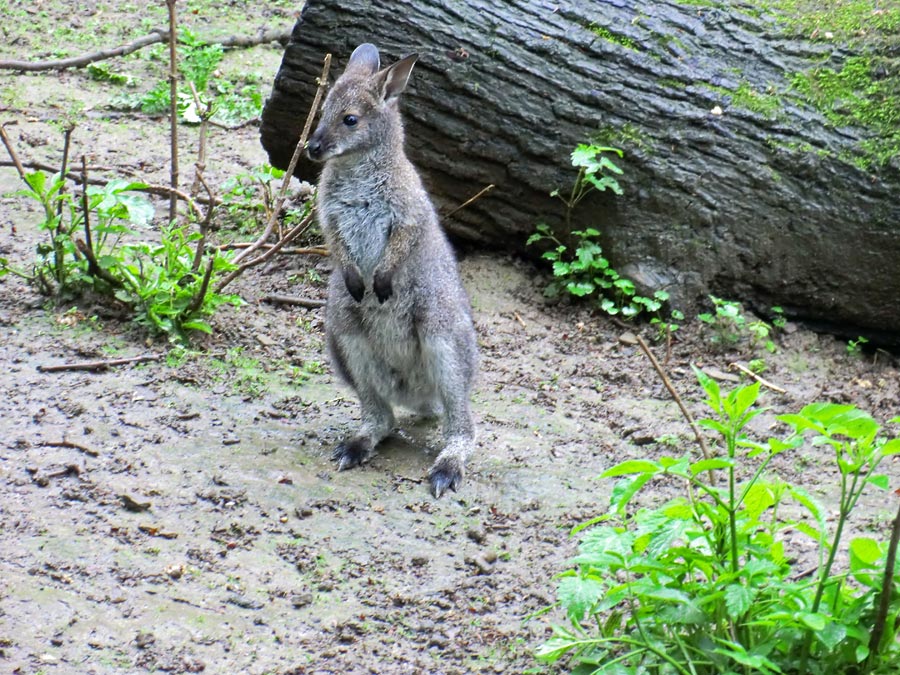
[{"x": 735, "y": 181}]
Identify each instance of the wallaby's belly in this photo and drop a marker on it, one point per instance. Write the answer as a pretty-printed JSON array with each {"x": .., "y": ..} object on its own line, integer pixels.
[{"x": 405, "y": 377}]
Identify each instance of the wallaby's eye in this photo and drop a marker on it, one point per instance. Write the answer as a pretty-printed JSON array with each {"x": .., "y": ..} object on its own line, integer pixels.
[{"x": 350, "y": 120}]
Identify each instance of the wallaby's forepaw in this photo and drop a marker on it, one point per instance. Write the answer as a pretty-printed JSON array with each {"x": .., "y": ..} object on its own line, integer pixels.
[
  {"x": 352, "y": 453},
  {"x": 354, "y": 282},
  {"x": 445, "y": 474},
  {"x": 382, "y": 286}
]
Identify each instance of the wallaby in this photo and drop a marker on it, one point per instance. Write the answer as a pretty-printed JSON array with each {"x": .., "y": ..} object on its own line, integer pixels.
[{"x": 398, "y": 324}]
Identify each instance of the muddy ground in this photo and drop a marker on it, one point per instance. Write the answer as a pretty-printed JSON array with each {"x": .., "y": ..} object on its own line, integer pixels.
[{"x": 183, "y": 515}]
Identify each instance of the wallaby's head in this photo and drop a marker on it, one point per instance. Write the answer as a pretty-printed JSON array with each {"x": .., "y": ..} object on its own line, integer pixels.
[{"x": 360, "y": 111}]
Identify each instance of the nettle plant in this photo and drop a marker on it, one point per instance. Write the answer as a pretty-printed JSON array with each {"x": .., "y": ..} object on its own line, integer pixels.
[
  {"x": 709, "y": 583},
  {"x": 728, "y": 326},
  {"x": 586, "y": 272},
  {"x": 91, "y": 247}
]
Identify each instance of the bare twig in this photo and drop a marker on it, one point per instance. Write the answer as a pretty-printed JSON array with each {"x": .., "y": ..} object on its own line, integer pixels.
[
  {"x": 291, "y": 300},
  {"x": 197, "y": 300},
  {"x": 204, "y": 224},
  {"x": 12, "y": 153},
  {"x": 168, "y": 191},
  {"x": 311, "y": 250},
  {"x": 86, "y": 212},
  {"x": 295, "y": 232},
  {"x": 684, "y": 411},
  {"x": 301, "y": 144},
  {"x": 62, "y": 172},
  {"x": 887, "y": 591},
  {"x": 99, "y": 365},
  {"x": 471, "y": 199},
  {"x": 69, "y": 444},
  {"x": 173, "y": 108},
  {"x": 71, "y": 175},
  {"x": 750, "y": 373},
  {"x": 156, "y": 36}
]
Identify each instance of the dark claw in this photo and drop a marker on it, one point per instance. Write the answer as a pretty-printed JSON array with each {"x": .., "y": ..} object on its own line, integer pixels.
[
  {"x": 443, "y": 476},
  {"x": 351, "y": 453},
  {"x": 382, "y": 286},
  {"x": 354, "y": 282}
]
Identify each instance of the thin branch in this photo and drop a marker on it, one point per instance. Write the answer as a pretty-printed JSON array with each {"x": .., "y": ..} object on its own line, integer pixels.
[
  {"x": 295, "y": 232},
  {"x": 71, "y": 175},
  {"x": 751, "y": 374},
  {"x": 69, "y": 444},
  {"x": 173, "y": 109},
  {"x": 311, "y": 303},
  {"x": 99, "y": 365},
  {"x": 312, "y": 250},
  {"x": 301, "y": 144},
  {"x": 197, "y": 300},
  {"x": 475, "y": 197},
  {"x": 168, "y": 191},
  {"x": 85, "y": 207},
  {"x": 684, "y": 411},
  {"x": 62, "y": 172},
  {"x": 887, "y": 591},
  {"x": 12, "y": 153},
  {"x": 204, "y": 224},
  {"x": 156, "y": 36}
]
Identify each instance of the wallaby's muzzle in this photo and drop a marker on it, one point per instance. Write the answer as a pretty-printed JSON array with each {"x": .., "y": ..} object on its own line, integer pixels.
[{"x": 314, "y": 147}]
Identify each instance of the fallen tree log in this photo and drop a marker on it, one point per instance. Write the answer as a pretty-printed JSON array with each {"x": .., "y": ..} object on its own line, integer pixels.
[{"x": 742, "y": 177}]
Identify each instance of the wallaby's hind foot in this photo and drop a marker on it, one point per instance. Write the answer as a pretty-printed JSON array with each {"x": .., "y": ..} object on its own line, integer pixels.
[
  {"x": 446, "y": 473},
  {"x": 352, "y": 452}
]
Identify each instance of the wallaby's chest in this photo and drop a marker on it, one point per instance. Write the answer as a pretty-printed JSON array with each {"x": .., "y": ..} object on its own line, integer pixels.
[{"x": 363, "y": 219}]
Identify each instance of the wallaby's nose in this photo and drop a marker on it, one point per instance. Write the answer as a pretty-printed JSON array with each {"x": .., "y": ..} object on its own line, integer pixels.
[{"x": 314, "y": 147}]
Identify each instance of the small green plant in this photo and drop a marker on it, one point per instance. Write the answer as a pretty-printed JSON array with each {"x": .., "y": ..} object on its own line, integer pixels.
[
  {"x": 250, "y": 197},
  {"x": 169, "y": 291},
  {"x": 171, "y": 294},
  {"x": 589, "y": 273},
  {"x": 707, "y": 583},
  {"x": 729, "y": 326},
  {"x": 221, "y": 100},
  {"x": 855, "y": 347},
  {"x": 665, "y": 328}
]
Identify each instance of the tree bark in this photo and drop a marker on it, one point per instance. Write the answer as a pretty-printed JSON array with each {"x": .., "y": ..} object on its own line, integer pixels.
[{"x": 765, "y": 204}]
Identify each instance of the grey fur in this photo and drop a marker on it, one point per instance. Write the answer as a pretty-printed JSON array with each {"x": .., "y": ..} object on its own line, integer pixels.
[{"x": 398, "y": 323}]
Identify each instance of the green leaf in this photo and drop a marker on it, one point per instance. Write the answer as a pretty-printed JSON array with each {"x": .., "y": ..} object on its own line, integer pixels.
[
  {"x": 632, "y": 466},
  {"x": 891, "y": 447},
  {"x": 709, "y": 464},
  {"x": 879, "y": 480},
  {"x": 865, "y": 552},
  {"x": 578, "y": 594},
  {"x": 812, "y": 620},
  {"x": 625, "y": 489},
  {"x": 738, "y": 599}
]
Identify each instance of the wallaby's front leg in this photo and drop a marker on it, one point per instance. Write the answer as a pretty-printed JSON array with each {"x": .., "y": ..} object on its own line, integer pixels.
[{"x": 399, "y": 244}]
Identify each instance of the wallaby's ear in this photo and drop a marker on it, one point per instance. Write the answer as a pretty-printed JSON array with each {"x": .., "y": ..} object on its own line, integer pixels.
[
  {"x": 394, "y": 78},
  {"x": 364, "y": 59}
]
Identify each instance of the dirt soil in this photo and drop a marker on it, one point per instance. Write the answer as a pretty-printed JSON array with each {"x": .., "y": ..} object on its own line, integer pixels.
[{"x": 183, "y": 515}]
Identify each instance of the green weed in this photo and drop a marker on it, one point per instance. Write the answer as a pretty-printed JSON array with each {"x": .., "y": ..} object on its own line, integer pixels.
[{"x": 708, "y": 583}]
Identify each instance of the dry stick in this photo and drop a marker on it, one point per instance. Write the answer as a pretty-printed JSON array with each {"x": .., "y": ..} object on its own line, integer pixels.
[
  {"x": 99, "y": 365},
  {"x": 480, "y": 194},
  {"x": 71, "y": 175},
  {"x": 204, "y": 224},
  {"x": 312, "y": 250},
  {"x": 684, "y": 411},
  {"x": 762, "y": 381},
  {"x": 86, "y": 247},
  {"x": 295, "y": 232},
  {"x": 200, "y": 165},
  {"x": 12, "y": 153},
  {"x": 291, "y": 300},
  {"x": 156, "y": 36},
  {"x": 887, "y": 587},
  {"x": 69, "y": 444},
  {"x": 173, "y": 108},
  {"x": 301, "y": 144},
  {"x": 168, "y": 191},
  {"x": 197, "y": 300},
  {"x": 62, "y": 172}
]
